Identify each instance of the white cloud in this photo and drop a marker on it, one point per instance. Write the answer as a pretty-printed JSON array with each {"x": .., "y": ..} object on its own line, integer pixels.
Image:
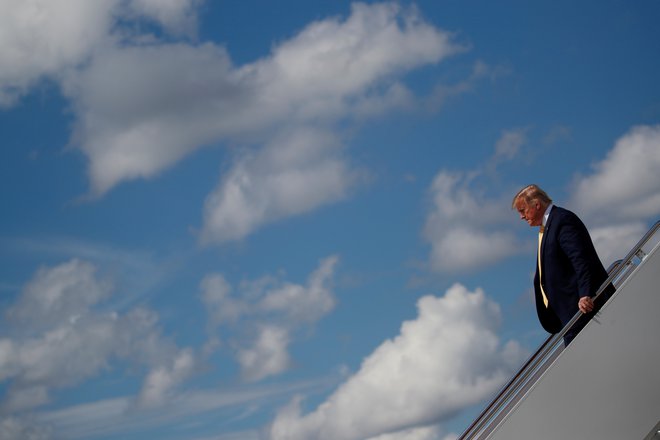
[
  {"x": 161, "y": 380},
  {"x": 46, "y": 38},
  {"x": 15, "y": 428},
  {"x": 57, "y": 295},
  {"x": 141, "y": 105},
  {"x": 142, "y": 108},
  {"x": 216, "y": 294},
  {"x": 332, "y": 61},
  {"x": 626, "y": 184},
  {"x": 268, "y": 355},
  {"x": 25, "y": 398},
  {"x": 464, "y": 227},
  {"x": 137, "y": 271},
  {"x": 615, "y": 241},
  {"x": 447, "y": 359},
  {"x": 509, "y": 145},
  {"x": 300, "y": 304},
  {"x": 268, "y": 313},
  {"x": 177, "y": 16},
  {"x": 623, "y": 192},
  {"x": 146, "y": 102},
  {"x": 57, "y": 338},
  {"x": 290, "y": 176}
]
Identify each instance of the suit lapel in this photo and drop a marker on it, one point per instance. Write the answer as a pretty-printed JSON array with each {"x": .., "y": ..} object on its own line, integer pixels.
[{"x": 547, "y": 230}]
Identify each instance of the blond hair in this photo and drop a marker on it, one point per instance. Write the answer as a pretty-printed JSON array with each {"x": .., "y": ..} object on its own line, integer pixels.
[{"x": 531, "y": 193}]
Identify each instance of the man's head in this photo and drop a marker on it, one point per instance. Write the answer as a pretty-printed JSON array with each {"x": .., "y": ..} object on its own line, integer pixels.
[{"x": 531, "y": 203}]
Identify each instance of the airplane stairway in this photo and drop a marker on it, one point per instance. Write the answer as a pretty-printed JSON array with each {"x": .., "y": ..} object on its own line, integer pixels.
[{"x": 606, "y": 384}]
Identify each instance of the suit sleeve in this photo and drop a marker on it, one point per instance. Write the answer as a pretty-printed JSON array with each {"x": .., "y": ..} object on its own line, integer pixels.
[{"x": 576, "y": 244}]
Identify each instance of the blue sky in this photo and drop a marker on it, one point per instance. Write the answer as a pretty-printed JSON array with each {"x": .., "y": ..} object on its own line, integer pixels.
[{"x": 291, "y": 220}]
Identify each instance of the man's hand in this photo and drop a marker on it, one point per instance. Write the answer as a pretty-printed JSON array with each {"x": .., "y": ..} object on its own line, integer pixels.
[{"x": 586, "y": 304}]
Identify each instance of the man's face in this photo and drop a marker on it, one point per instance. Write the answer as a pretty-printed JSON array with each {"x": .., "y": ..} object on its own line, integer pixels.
[{"x": 531, "y": 212}]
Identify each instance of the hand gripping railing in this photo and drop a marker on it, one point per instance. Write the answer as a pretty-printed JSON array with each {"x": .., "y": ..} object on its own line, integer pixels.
[{"x": 536, "y": 365}]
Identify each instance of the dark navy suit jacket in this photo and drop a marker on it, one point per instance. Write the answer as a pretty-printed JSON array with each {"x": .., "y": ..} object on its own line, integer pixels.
[{"x": 570, "y": 270}]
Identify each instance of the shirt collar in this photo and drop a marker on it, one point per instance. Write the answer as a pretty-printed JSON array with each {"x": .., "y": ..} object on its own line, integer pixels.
[{"x": 547, "y": 214}]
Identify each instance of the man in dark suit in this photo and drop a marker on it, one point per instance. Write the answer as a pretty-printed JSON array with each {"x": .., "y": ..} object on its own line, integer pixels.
[{"x": 568, "y": 270}]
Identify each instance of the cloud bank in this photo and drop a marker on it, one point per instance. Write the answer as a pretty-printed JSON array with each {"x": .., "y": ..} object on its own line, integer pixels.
[
  {"x": 445, "y": 360},
  {"x": 469, "y": 228},
  {"x": 266, "y": 315},
  {"x": 141, "y": 105},
  {"x": 143, "y": 102},
  {"x": 291, "y": 175},
  {"x": 465, "y": 229},
  {"x": 622, "y": 193},
  {"x": 58, "y": 336},
  {"x": 46, "y": 39}
]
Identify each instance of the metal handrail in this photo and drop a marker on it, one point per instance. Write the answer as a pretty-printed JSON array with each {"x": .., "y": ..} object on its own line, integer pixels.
[{"x": 527, "y": 375}]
